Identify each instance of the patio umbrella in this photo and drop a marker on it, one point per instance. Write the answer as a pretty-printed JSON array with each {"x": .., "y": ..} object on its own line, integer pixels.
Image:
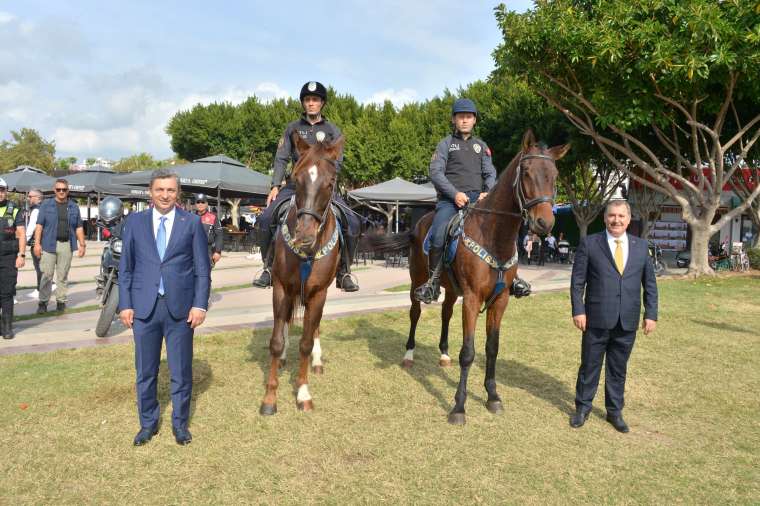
[
  {"x": 25, "y": 178},
  {"x": 220, "y": 175}
]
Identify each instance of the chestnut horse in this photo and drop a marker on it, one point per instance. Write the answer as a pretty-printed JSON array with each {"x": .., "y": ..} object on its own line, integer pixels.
[
  {"x": 306, "y": 258},
  {"x": 485, "y": 261}
]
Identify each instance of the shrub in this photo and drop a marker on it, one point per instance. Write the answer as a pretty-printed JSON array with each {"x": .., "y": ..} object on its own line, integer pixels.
[{"x": 754, "y": 257}]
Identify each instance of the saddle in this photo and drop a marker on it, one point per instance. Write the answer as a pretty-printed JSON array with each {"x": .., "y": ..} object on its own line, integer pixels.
[{"x": 454, "y": 229}]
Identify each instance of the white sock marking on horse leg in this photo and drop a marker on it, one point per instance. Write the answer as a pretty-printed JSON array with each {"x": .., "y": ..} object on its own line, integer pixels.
[
  {"x": 285, "y": 342},
  {"x": 409, "y": 355},
  {"x": 303, "y": 393},
  {"x": 445, "y": 357},
  {"x": 316, "y": 353}
]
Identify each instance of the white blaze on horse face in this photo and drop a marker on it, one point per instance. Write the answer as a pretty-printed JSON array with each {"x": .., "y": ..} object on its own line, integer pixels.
[
  {"x": 313, "y": 173},
  {"x": 316, "y": 353}
]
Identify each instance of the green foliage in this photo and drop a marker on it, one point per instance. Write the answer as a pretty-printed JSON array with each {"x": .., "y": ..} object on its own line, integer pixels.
[
  {"x": 754, "y": 257},
  {"x": 65, "y": 163},
  {"x": 27, "y": 147},
  {"x": 141, "y": 161}
]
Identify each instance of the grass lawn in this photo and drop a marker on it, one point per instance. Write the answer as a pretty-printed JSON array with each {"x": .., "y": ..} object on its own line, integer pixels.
[{"x": 379, "y": 433}]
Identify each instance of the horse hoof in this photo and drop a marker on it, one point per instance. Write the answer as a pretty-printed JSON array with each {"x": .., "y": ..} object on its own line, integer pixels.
[
  {"x": 267, "y": 409},
  {"x": 318, "y": 369},
  {"x": 457, "y": 418},
  {"x": 495, "y": 407},
  {"x": 407, "y": 364},
  {"x": 444, "y": 362},
  {"x": 305, "y": 406}
]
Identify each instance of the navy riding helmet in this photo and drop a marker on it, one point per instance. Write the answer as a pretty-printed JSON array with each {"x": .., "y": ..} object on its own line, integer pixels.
[
  {"x": 313, "y": 88},
  {"x": 464, "y": 105}
]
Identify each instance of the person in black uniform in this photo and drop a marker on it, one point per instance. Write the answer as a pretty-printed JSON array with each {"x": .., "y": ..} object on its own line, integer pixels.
[
  {"x": 313, "y": 128},
  {"x": 212, "y": 227},
  {"x": 12, "y": 246},
  {"x": 462, "y": 171}
]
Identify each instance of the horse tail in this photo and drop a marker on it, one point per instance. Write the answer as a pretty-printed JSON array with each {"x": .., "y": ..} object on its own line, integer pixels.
[{"x": 381, "y": 243}]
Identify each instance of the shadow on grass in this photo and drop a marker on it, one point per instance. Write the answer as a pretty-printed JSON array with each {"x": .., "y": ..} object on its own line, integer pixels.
[
  {"x": 203, "y": 376},
  {"x": 388, "y": 346},
  {"x": 724, "y": 326}
]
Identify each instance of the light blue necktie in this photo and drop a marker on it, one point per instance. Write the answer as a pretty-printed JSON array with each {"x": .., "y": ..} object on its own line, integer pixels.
[{"x": 161, "y": 245}]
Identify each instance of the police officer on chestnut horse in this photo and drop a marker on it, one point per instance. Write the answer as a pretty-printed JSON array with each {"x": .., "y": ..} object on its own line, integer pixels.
[
  {"x": 311, "y": 127},
  {"x": 462, "y": 172}
]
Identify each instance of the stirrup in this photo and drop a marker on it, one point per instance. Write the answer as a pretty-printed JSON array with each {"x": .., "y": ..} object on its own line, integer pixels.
[
  {"x": 427, "y": 292},
  {"x": 520, "y": 288},
  {"x": 261, "y": 281},
  {"x": 340, "y": 279}
]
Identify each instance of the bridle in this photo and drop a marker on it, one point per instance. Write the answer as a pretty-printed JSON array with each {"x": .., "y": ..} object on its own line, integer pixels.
[
  {"x": 519, "y": 192},
  {"x": 321, "y": 218}
]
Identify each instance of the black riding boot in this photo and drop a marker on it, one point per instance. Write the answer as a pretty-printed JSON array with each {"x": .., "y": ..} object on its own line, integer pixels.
[
  {"x": 265, "y": 278},
  {"x": 431, "y": 289},
  {"x": 519, "y": 288},
  {"x": 344, "y": 279}
]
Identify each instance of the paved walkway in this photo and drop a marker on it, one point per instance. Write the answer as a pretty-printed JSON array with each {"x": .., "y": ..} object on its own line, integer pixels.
[{"x": 234, "y": 309}]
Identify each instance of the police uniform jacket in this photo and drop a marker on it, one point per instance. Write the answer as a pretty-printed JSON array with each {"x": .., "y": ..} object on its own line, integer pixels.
[
  {"x": 321, "y": 131},
  {"x": 460, "y": 165},
  {"x": 214, "y": 231},
  {"x": 10, "y": 219}
]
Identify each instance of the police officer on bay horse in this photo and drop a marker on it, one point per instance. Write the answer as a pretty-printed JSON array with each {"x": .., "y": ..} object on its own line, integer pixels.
[
  {"x": 462, "y": 172},
  {"x": 313, "y": 128}
]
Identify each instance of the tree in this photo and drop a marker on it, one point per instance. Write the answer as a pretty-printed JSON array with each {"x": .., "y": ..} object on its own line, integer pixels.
[
  {"x": 647, "y": 204},
  {"x": 666, "y": 89},
  {"x": 65, "y": 163},
  {"x": 27, "y": 147},
  {"x": 589, "y": 188},
  {"x": 141, "y": 161}
]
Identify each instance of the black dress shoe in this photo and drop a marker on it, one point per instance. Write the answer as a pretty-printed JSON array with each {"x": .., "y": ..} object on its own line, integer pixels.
[
  {"x": 145, "y": 435},
  {"x": 578, "y": 419},
  {"x": 182, "y": 436},
  {"x": 60, "y": 306},
  {"x": 42, "y": 308},
  {"x": 618, "y": 422}
]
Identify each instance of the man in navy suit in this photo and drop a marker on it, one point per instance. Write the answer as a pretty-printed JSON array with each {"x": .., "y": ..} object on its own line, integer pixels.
[
  {"x": 163, "y": 293},
  {"x": 611, "y": 267}
]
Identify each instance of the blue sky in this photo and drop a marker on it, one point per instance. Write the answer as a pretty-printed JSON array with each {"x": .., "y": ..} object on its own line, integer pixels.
[{"x": 103, "y": 78}]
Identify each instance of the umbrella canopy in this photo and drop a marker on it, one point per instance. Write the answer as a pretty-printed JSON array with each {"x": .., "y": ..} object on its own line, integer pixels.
[
  {"x": 99, "y": 179},
  {"x": 220, "y": 175},
  {"x": 396, "y": 190},
  {"x": 25, "y": 178}
]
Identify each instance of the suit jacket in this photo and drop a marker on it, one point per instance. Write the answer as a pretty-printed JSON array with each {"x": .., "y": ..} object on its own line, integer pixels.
[
  {"x": 609, "y": 296},
  {"x": 185, "y": 268}
]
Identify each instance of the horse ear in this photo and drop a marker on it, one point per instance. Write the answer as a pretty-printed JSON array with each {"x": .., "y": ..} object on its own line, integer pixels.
[
  {"x": 336, "y": 148},
  {"x": 528, "y": 140},
  {"x": 301, "y": 145},
  {"x": 558, "y": 152}
]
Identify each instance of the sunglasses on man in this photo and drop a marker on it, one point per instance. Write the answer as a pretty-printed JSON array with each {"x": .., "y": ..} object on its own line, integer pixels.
[{"x": 61, "y": 190}]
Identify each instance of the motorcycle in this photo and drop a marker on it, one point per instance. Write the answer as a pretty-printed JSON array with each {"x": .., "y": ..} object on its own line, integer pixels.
[
  {"x": 655, "y": 251},
  {"x": 107, "y": 287}
]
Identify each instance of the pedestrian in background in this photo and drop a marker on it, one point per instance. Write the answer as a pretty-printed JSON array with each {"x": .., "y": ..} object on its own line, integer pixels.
[
  {"x": 33, "y": 201},
  {"x": 59, "y": 228}
]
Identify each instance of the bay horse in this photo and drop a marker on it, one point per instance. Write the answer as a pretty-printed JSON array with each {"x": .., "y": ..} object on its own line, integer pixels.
[
  {"x": 306, "y": 259},
  {"x": 485, "y": 261}
]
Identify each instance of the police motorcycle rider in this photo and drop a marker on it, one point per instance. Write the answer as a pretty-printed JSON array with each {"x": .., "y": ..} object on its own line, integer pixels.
[
  {"x": 462, "y": 171},
  {"x": 312, "y": 127},
  {"x": 212, "y": 226},
  {"x": 12, "y": 257}
]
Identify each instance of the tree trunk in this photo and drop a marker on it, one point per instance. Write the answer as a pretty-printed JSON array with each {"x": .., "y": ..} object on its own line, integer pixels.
[
  {"x": 235, "y": 213},
  {"x": 700, "y": 239},
  {"x": 583, "y": 229}
]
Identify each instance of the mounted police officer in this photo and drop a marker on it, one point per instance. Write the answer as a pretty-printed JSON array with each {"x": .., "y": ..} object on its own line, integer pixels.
[
  {"x": 313, "y": 128},
  {"x": 12, "y": 246},
  {"x": 212, "y": 227},
  {"x": 462, "y": 172}
]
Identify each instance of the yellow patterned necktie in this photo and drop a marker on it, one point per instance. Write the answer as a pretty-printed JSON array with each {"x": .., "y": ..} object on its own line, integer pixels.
[{"x": 619, "y": 255}]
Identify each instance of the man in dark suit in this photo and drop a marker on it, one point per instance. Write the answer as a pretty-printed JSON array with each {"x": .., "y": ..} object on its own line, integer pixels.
[
  {"x": 611, "y": 267},
  {"x": 163, "y": 292}
]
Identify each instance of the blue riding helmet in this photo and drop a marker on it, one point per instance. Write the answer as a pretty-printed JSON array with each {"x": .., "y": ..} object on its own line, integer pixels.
[{"x": 464, "y": 105}]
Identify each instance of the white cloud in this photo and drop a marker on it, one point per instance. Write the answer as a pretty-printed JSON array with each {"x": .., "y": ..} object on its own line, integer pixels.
[
  {"x": 6, "y": 17},
  {"x": 398, "y": 98}
]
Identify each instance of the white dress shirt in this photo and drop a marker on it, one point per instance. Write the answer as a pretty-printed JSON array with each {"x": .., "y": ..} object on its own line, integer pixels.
[
  {"x": 611, "y": 242},
  {"x": 167, "y": 224},
  {"x": 32, "y": 223}
]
